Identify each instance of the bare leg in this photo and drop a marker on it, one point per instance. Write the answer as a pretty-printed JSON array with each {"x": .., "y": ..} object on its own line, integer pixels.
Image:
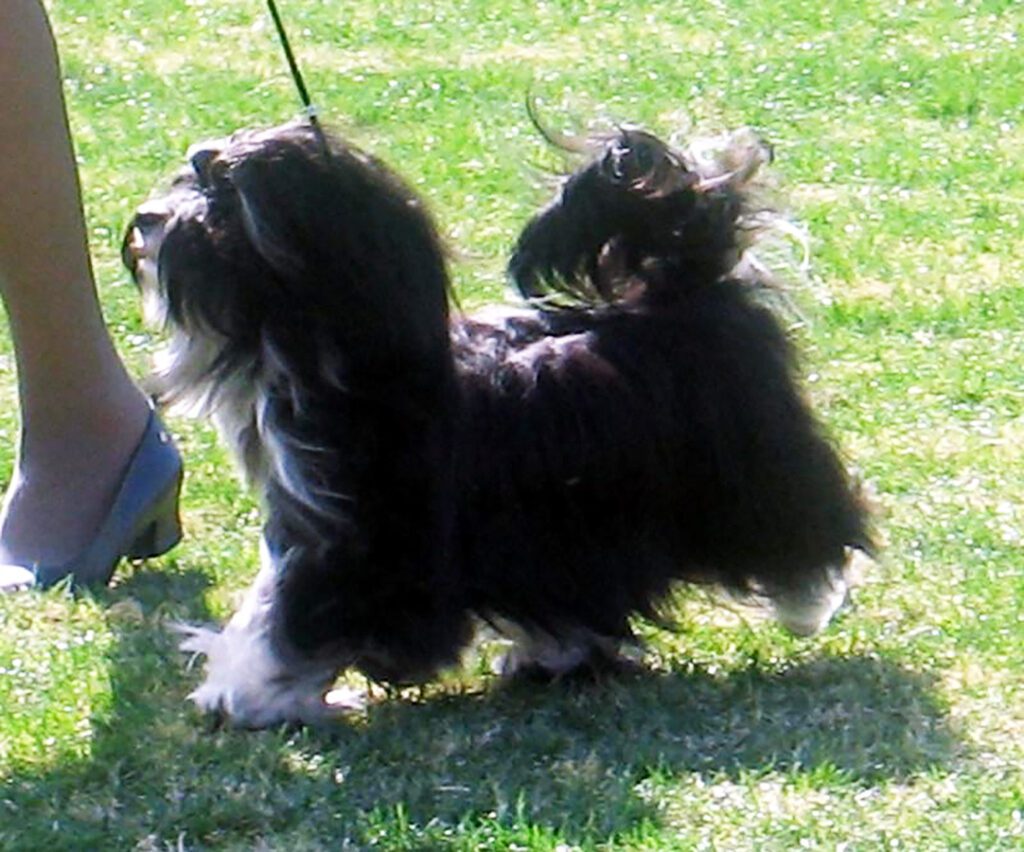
[{"x": 82, "y": 416}]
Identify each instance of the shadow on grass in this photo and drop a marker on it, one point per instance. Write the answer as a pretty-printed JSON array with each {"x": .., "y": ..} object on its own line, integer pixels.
[{"x": 559, "y": 762}]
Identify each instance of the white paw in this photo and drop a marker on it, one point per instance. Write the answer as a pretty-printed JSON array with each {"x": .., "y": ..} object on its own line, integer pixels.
[
  {"x": 250, "y": 687},
  {"x": 198, "y": 640},
  {"x": 809, "y": 611}
]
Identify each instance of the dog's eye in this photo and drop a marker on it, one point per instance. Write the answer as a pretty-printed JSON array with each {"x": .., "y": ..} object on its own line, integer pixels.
[
  {"x": 200, "y": 161},
  {"x": 202, "y": 157}
]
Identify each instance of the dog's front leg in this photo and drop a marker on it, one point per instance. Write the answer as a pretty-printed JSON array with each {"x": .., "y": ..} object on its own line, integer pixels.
[{"x": 248, "y": 682}]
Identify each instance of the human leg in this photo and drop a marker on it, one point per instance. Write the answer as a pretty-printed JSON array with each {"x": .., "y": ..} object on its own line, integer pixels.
[{"x": 82, "y": 416}]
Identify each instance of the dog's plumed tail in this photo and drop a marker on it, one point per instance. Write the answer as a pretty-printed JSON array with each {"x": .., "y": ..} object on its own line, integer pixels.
[{"x": 643, "y": 217}]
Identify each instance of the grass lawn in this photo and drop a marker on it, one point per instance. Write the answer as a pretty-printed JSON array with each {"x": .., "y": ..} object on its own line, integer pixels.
[{"x": 899, "y": 133}]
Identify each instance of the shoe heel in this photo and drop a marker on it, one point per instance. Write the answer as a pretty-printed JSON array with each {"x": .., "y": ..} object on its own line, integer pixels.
[{"x": 161, "y": 530}]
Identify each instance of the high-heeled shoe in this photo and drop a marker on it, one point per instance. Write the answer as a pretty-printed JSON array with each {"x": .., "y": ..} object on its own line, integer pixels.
[{"x": 142, "y": 520}]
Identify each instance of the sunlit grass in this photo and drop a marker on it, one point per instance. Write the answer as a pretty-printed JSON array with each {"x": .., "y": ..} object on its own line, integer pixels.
[{"x": 898, "y": 135}]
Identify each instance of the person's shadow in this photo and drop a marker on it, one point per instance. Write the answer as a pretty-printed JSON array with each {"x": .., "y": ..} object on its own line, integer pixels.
[{"x": 585, "y": 762}]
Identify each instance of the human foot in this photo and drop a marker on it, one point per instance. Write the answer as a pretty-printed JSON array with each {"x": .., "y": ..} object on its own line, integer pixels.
[{"x": 78, "y": 509}]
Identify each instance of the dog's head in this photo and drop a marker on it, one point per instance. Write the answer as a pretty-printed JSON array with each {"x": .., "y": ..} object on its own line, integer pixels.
[
  {"x": 268, "y": 234},
  {"x": 636, "y": 210}
]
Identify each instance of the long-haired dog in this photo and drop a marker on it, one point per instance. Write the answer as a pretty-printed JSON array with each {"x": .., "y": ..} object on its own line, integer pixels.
[{"x": 552, "y": 470}]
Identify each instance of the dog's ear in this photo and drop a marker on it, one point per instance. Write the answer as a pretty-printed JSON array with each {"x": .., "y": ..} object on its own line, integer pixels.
[
  {"x": 346, "y": 240},
  {"x": 276, "y": 195},
  {"x": 205, "y": 280},
  {"x": 308, "y": 212}
]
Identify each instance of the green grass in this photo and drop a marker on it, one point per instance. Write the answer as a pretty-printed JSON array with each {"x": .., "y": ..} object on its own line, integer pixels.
[{"x": 899, "y": 136}]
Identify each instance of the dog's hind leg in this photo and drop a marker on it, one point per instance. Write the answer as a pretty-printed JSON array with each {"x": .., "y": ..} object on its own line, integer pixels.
[
  {"x": 808, "y": 610},
  {"x": 248, "y": 682},
  {"x": 539, "y": 656}
]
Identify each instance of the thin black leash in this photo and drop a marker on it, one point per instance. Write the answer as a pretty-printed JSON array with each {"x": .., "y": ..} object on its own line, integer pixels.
[{"x": 300, "y": 84}]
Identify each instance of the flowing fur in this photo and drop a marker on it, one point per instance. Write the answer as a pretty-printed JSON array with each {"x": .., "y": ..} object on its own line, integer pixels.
[{"x": 552, "y": 469}]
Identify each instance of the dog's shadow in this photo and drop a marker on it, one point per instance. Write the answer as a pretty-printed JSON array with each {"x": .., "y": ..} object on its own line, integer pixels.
[
  {"x": 584, "y": 758},
  {"x": 584, "y": 761}
]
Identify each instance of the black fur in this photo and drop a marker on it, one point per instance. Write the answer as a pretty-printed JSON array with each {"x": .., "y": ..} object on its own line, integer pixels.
[{"x": 558, "y": 468}]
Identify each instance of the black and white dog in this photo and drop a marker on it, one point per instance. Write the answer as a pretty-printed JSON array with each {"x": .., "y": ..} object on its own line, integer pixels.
[{"x": 552, "y": 470}]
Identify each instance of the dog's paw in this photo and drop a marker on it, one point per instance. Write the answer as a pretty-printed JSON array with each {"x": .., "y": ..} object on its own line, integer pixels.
[
  {"x": 344, "y": 699},
  {"x": 246, "y": 685},
  {"x": 807, "y": 611},
  {"x": 587, "y": 657},
  {"x": 197, "y": 640}
]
